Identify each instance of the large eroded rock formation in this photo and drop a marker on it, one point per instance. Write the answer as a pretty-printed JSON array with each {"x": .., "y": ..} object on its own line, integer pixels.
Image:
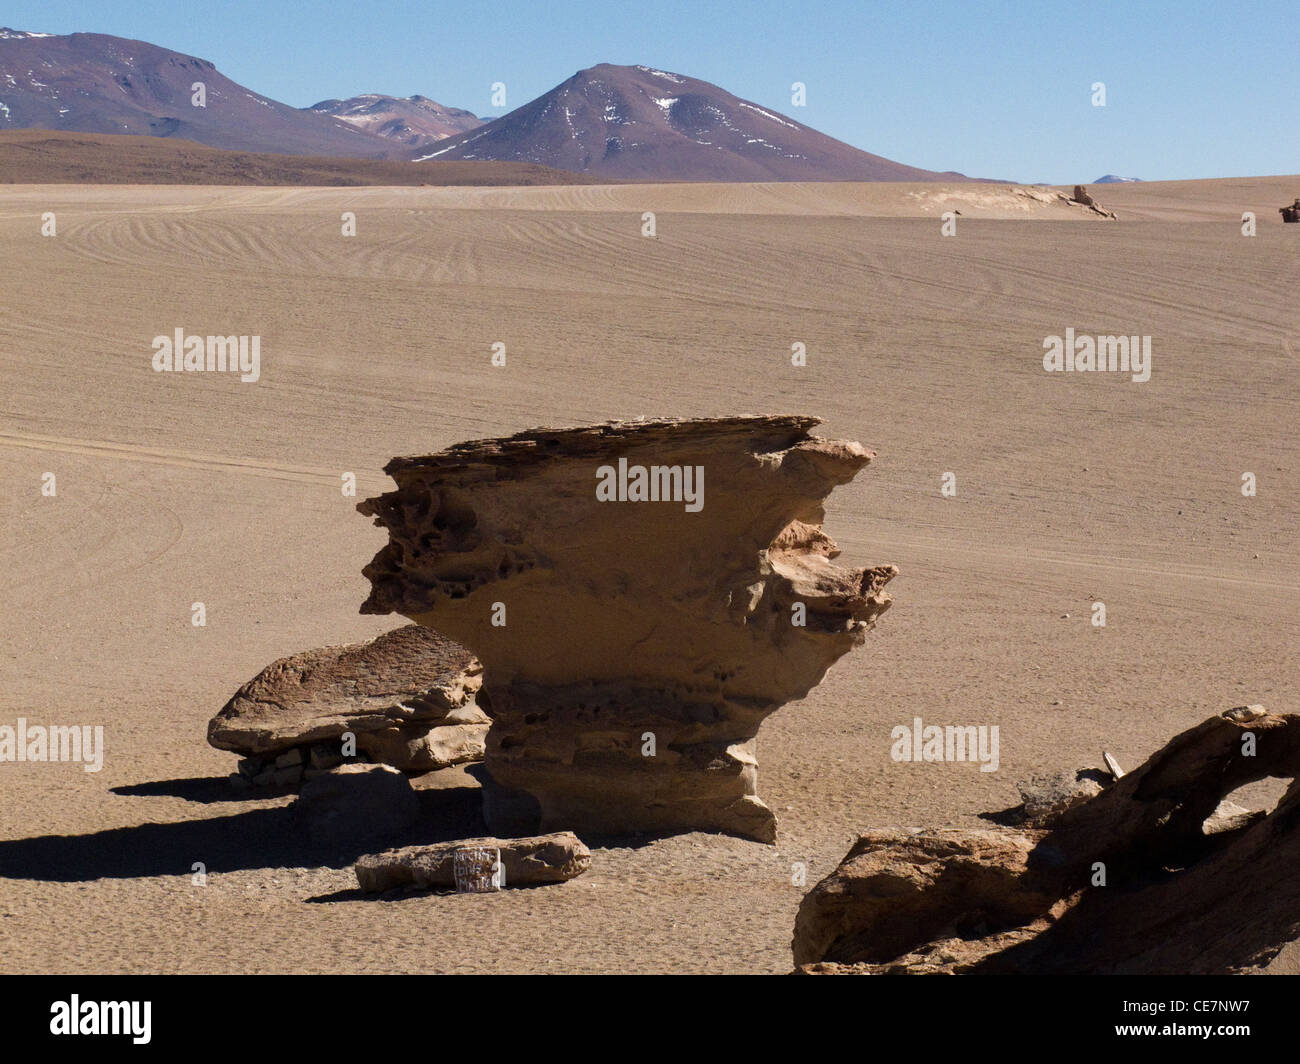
[
  {"x": 605, "y": 626},
  {"x": 1156, "y": 874}
]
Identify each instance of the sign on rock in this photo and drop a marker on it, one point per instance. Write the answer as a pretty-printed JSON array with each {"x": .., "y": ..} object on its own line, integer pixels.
[{"x": 478, "y": 870}]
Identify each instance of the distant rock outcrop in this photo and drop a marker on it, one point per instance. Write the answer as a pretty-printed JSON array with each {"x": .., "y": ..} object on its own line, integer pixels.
[
  {"x": 1156, "y": 873},
  {"x": 1082, "y": 197},
  {"x": 408, "y": 697},
  {"x": 631, "y": 648},
  {"x": 1291, "y": 213}
]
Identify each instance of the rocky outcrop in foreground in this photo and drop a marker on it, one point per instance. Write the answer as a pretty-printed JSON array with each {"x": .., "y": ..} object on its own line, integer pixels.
[
  {"x": 408, "y": 697},
  {"x": 641, "y": 595},
  {"x": 1155, "y": 874},
  {"x": 524, "y": 862}
]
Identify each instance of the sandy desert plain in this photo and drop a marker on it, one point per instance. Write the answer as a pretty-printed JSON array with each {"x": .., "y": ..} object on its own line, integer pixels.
[{"x": 177, "y": 488}]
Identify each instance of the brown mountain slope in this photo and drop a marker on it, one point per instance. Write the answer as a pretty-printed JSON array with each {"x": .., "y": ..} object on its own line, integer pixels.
[
  {"x": 95, "y": 83},
  {"x": 642, "y": 124}
]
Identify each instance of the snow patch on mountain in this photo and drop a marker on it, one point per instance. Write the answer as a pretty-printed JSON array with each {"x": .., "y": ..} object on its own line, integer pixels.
[
  {"x": 662, "y": 74},
  {"x": 434, "y": 155},
  {"x": 768, "y": 114}
]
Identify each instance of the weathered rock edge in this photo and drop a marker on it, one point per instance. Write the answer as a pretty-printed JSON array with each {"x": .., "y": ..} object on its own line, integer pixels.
[
  {"x": 1178, "y": 900},
  {"x": 628, "y": 619},
  {"x": 550, "y": 858},
  {"x": 408, "y": 696}
]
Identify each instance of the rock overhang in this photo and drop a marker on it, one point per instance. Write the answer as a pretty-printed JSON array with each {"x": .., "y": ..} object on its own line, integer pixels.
[{"x": 601, "y": 619}]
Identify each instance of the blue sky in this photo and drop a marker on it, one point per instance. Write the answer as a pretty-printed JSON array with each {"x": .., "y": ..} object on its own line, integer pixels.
[{"x": 1001, "y": 90}]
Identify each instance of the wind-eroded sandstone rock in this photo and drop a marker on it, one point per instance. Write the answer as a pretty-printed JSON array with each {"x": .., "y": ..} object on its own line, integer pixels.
[
  {"x": 407, "y": 696},
  {"x": 1156, "y": 874},
  {"x": 610, "y": 629},
  {"x": 526, "y": 862}
]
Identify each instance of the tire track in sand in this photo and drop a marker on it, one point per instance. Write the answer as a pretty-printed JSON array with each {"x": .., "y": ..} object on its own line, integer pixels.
[{"x": 189, "y": 460}]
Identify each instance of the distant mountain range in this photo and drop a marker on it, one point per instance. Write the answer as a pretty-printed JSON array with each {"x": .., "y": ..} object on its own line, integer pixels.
[
  {"x": 415, "y": 121},
  {"x": 1111, "y": 179},
  {"x": 94, "y": 83},
  {"x": 611, "y": 122}
]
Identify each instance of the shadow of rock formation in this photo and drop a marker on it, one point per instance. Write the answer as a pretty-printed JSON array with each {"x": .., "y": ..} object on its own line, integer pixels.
[{"x": 255, "y": 838}]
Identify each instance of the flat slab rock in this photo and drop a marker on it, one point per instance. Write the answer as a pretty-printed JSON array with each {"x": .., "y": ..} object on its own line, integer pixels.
[
  {"x": 408, "y": 696},
  {"x": 541, "y": 859}
]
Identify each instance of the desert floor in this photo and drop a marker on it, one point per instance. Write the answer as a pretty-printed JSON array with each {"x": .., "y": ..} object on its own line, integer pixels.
[{"x": 182, "y": 488}]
